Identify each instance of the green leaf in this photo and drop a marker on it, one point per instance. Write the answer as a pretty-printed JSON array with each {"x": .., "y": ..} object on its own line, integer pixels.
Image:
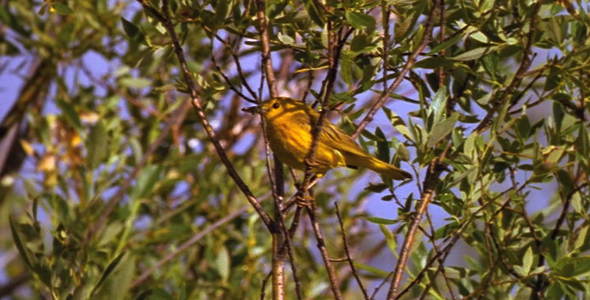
[
  {"x": 360, "y": 20},
  {"x": 474, "y": 53},
  {"x": 132, "y": 31},
  {"x": 382, "y": 146},
  {"x": 20, "y": 244},
  {"x": 434, "y": 63},
  {"x": 155, "y": 294},
  {"x": 108, "y": 271},
  {"x": 146, "y": 180},
  {"x": 221, "y": 11},
  {"x": 554, "y": 79},
  {"x": 223, "y": 263},
  {"x": 398, "y": 123},
  {"x": 582, "y": 237},
  {"x": 389, "y": 238},
  {"x": 408, "y": 202},
  {"x": 285, "y": 39},
  {"x": 439, "y": 105},
  {"x": 527, "y": 261},
  {"x": 445, "y": 45},
  {"x": 371, "y": 269},
  {"x": 377, "y": 220},
  {"x": 402, "y": 152},
  {"x": 359, "y": 42},
  {"x": 404, "y": 27},
  {"x": 135, "y": 82},
  {"x": 523, "y": 127},
  {"x": 96, "y": 145},
  {"x": 347, "y": 72},
  {"x": 11, "y": 20},
  {"x": 445, "y": 230},
  {"x": 580, "y": 266},
  {"x": 441, "y": 130},
  {"x": 62, "y": 9},
  {"x": 583, "y": 142},
  {"x": 376, "y": 188},
  {"x": 314, "y": 13},
  {"x": 555, "y": 290},
  {"x": 70, "y": 114}
]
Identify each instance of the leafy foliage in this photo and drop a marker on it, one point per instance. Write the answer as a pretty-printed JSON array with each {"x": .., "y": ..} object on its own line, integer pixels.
[{"x": 111, "y": 189}]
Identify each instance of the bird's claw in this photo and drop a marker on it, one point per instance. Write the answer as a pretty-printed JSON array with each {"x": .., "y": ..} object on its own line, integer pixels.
[
  {"x": 311, "y": 163},
  {"x": 303, "y": 201}
]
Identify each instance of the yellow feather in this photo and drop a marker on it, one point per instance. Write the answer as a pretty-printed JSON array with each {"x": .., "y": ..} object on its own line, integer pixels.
[{"x": 289, "y": 124}]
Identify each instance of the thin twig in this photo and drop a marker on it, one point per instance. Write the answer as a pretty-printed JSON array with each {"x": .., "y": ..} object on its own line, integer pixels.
[
  {"x": 442, "y": 53},
  {"x": 385, "y": 280},
  {"x": 441, "y": 265},
  {"x": 179, "y": 116},
  {"x": 279, "y": 185},
  {"x": 432, "y": 174},
  {"x": 186, "y": 245},
  {"x": 334, "y": 51},
  {"x": 432, "y": 178},
  {"x": 164, "y": 18},
  {"x": 238, "y": 68},
  {"x": 411, "y": 60},
  {"x": 334, "y": 282},
  {"x": 263, "y": 285},
  {"x": 385, "y": 12},
  {"x": 295, "y": 222},
  {"x": 437, "y": 257},
  {"x": 348, "y": 257},
  {"x": 265, "y": 43},
  {"x": 540, "y": 285},
  {"x": 522, "y": 69},
  {"x": 14, "y": 283}
]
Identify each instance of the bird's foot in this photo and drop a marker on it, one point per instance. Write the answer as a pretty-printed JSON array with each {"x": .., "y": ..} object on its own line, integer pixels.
[
  {"x": 303, "y": 201},
  {"x": 311, "y": 163}
]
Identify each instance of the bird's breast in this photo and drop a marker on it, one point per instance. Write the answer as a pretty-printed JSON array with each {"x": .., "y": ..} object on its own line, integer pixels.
[{"x": 289, "y": 142}]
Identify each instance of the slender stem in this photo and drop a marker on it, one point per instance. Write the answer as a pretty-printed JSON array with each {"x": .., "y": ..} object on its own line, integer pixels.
[
  {"x": 164, "y": 18},
  {"x": 278, "y": 269},
  {"x": 333, "y": 57},
  {"x": 522, "y": 69},
  {"x": 280, "y": 233},
  {"x": 186, "y": 245},
  {"x": 265, "y": 43},
  {"x": 179, "y": 116},
  {"x": 385, "y": 23},
  {"x": 432, "y": 178},
  {"x": 334, "y": 282},
  {"x": 411, "y": 60},
  {"x": 348, "y": 256}
]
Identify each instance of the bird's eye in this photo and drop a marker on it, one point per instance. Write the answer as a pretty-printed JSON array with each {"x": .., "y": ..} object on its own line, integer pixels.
[{"x": 276, "y": 105}]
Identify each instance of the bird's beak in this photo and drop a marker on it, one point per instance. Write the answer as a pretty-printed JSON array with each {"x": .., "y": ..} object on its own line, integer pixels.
[{"x": 252, "y": 109}]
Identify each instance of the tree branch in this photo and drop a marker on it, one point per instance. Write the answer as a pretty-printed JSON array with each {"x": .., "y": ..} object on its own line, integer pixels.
[
  {"x": 164, "y": 18},
  {"x": 522, "y": 69},
  {"x": 411, "y": 60},
  {"x": 186, "y": 245}
]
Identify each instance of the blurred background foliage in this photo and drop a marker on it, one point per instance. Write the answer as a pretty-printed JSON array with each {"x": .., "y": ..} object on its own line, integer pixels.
[{"x": 111, "y": 189}]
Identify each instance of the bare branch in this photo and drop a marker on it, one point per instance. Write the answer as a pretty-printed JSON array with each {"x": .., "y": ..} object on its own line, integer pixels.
[
  {"x": 164, "y": 18},
  {"x": 411, "y": 60},
  {"x": 334, "y": 282},
  {"x": 186, "y": 245},
  {"x": 522, "y": 69},
  {"x": 347, "y": 251}
]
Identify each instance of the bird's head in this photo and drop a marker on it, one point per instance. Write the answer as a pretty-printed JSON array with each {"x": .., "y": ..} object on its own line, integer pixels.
[{"x": 278, "y": 108}]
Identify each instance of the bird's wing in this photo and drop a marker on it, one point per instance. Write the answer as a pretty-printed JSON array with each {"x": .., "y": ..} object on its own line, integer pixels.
[{"x": 335, "y": 138}]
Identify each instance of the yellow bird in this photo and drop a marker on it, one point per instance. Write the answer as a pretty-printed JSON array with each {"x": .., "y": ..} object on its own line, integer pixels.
[{"x": 289, "y": 124}]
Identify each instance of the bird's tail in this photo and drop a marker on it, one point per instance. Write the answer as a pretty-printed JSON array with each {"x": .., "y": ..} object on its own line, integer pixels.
[{"x": 386, "y": 169}]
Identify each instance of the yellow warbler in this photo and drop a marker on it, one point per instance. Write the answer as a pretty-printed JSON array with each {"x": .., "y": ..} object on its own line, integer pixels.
[{"x": 289, "y": 124}]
